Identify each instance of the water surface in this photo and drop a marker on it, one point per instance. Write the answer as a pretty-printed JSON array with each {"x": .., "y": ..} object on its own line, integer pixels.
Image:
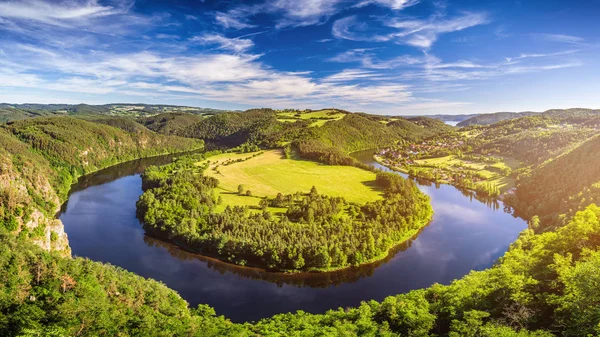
[{"x": 465, "y": 234}]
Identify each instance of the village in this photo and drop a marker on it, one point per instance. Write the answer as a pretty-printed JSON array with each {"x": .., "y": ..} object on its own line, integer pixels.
[{"x": 445, "y": 161}]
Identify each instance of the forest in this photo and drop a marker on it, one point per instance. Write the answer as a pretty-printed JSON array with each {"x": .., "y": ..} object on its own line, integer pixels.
[
  {"x": 540, "y": 287},
  {"x": 316, "y": 233}
]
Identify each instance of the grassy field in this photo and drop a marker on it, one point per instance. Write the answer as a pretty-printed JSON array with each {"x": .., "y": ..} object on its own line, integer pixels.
[
  {"x": 329, "y": 114},
  {"x": 270, "y": 173},
  {"x": 490, "y": 171}
]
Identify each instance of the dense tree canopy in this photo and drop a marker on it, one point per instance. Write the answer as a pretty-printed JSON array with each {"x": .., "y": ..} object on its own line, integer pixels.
[{"x": 316, "y": 232}]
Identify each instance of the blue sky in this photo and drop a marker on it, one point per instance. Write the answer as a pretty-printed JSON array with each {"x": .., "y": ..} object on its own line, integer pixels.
[{"x": 381, "y": 56}]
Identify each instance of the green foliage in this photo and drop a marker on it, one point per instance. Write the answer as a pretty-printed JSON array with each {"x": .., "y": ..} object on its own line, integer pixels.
[
  {"x": 74, "y": 147},
  {"x": 169, "y": 123},
  {"x": 47, "y": 295},
  {"x": 561, "y": 186},
  {"x": 10, "y": 223},
  {"x": 315, "y": 233}
]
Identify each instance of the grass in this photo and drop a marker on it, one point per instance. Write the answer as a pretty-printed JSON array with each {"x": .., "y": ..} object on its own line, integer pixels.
[
  {"x": 492, "y": 174},
  {"x": 329, "y": 114},
  {"x": 270, "y": 173}
]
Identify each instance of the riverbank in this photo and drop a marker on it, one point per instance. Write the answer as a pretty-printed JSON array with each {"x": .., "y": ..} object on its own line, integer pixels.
[
  {"x": 408, "y": 237},
  {"x": 485, "y": 188},
  {"x": 101, "y": 211},
  {"x": 302, "y": 231}
]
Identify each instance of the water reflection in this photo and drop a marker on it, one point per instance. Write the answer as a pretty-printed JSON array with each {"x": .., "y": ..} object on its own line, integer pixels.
[
  {"x": 313, "y": 280},
  {"x": 465, "y": 234}
]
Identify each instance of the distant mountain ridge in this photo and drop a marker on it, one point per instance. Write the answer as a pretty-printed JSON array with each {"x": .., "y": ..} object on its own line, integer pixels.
[
  {"x": 491, "y": 118},
  {"x": 12, "y": 112}
]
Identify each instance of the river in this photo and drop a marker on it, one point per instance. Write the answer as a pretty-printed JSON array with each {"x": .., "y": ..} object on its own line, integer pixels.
[{"x": 465, "y": 234}]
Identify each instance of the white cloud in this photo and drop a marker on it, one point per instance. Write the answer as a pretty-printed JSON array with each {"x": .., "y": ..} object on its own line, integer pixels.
[
  {"x": 290, "y": 13},
  {"x": 414, "y": 32},
  {"x": 294, "y": 13},
  {"x": 423, "y": 33},
  {"x": 559, "y": 38},
  {"x": 304, "y": 13},
  {"x": 352, "y": 75},
  {"x": 234, "y": 19},
  {"x": 368, "y": 60},
  {"x": 238, "y": 78},
  {"x": 393, "y": 4},
  {"x": 349, "y": 28},
  {"x": 533, "y": 55},
  {"x": 237, "y": 45},
  {"x": 54, "y": 13}
]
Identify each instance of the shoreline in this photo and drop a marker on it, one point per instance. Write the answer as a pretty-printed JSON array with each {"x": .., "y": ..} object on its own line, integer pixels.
[
  {"x": 378, "y": 159},
  {"x": 411, "y": 235},
  {"x": 78, "y": 178}
]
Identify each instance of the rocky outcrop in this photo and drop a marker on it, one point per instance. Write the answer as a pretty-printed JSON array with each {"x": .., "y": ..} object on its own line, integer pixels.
[{"x": 48, "y": 233}]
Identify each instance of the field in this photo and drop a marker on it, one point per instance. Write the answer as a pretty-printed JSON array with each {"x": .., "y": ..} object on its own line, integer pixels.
[
  {"x": 490, "y": 171},
  {"x": 270, "y": 173},
  {"x": 319, "y": 117}
]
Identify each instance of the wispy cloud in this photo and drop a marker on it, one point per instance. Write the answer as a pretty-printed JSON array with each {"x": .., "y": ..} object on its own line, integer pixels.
[
  {"x": 235, "y": 19},
  {"x": 59, "y": 13},
  {"x": 423, "y": 33},
  {"x": 414, "y": 32},
  {"x": 368, "y": 60},
  {"x": 304, "y": 13},
  {"x": 539, "y": 55},
  {"x": 294, "y": 13},
  {"x": 393, "y": 4},
  {"x": 350, "y": 28},
  {"x": 562, "y": 38},
  {"x": 348, "y": 75},
  {"x": 237, "y": 45}
]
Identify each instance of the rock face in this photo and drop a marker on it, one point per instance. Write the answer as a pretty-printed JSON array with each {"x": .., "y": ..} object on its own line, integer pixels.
[
  {"x": 52, "y": 236},
  {"x": 27, "y": 198}
]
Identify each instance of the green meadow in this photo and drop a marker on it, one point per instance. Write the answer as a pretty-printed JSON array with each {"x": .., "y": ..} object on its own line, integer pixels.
[{"x": 270, "y": 173}]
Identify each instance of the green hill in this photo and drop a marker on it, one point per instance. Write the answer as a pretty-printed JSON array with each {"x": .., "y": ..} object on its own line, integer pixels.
[{"x": 169, "y": 123}]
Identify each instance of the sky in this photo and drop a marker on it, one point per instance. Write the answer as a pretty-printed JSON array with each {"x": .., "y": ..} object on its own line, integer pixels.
[{"x": 396, "y": 57}]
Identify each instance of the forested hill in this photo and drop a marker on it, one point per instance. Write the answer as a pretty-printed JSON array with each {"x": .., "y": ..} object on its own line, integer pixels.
[
  {"x": 540, "y": 288},
  {"x": 532, "y": 140},
  {"x": 567, "y": 115},
  {"x": 560, "y": 187},
  {"x": 169, "y": 123},
  {"x": 344, "y": 133},
  {"x": 487, "y": 119},
  {"x": 40, "y": 158},
  {"x": 12, "y": 112},
  {"x": 449, "y": 118}
]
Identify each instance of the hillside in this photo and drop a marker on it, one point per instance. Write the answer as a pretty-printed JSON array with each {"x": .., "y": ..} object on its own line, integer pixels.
[
  {"x": 560, "y": 187},
  {"x": 449, "y": 118},
  {"x": 531, "y": 140},
  {"x": 169, "y": 123},
  {"x": 41, "y": 157},
  {"x": 541, "y": 283},
  {"x": 487, "y": 119},
  {"x": 12, "y": 112},
  {"x": 575, "y": 115}
]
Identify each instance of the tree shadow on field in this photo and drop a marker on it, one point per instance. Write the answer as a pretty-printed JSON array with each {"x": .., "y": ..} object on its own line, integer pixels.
[{"x": 372, "y": 185}]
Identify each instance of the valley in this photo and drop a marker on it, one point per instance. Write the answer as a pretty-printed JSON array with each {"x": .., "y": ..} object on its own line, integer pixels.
[{"x": 250, "y": 209}]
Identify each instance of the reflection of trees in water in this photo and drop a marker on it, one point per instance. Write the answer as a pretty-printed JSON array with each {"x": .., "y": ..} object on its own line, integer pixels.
[
  {"x": 366, "y": 157},
  {"x": 119, "y": 171},
  {"x": 312, "y": 280},
  {"x": 122, "y": 170}
]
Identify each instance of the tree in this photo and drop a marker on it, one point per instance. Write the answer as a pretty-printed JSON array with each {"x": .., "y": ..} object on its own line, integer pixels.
[
  {"x": 264, "y": 204},
  {"x": 534, "y": 223},
  {"x": 241, "y": 189}
]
